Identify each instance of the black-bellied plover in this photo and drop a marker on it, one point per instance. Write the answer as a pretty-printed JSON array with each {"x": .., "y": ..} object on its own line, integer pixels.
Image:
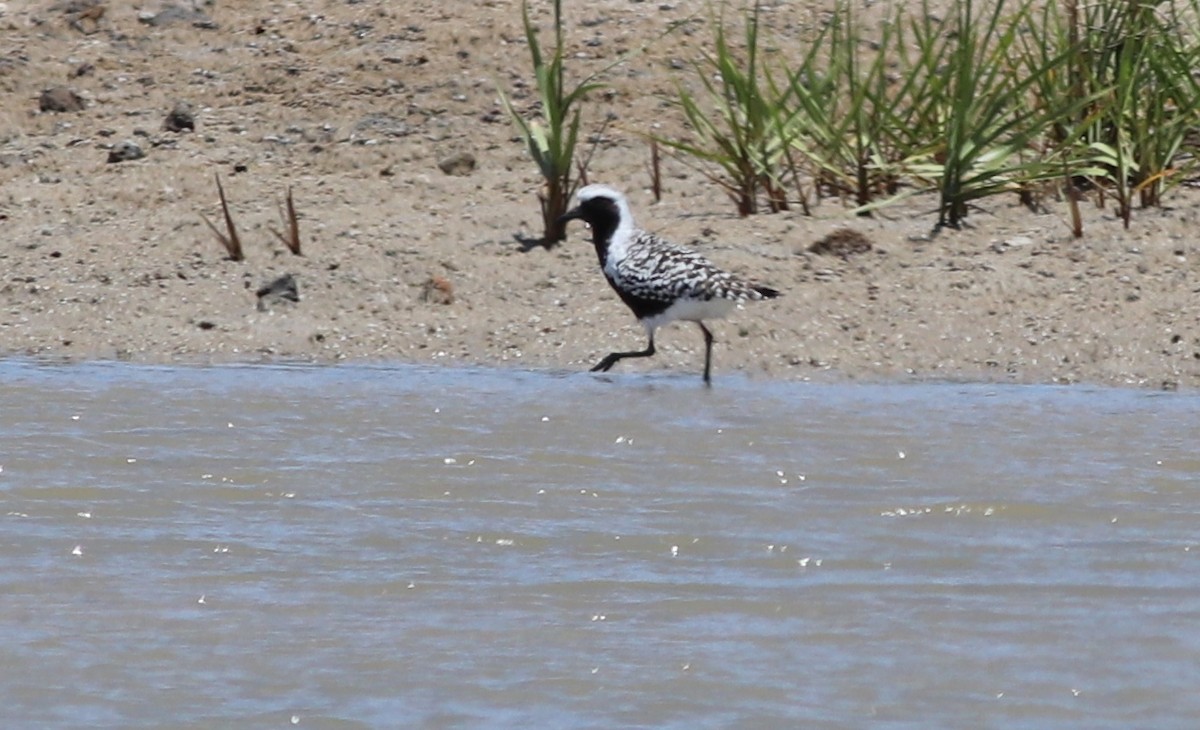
[{"x": 658, "y": 280}]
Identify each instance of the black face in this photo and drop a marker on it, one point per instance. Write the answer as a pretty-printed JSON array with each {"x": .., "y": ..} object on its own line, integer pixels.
[
  {"x": 601, "y": 213},
  {"x": 595, "y": 210}
]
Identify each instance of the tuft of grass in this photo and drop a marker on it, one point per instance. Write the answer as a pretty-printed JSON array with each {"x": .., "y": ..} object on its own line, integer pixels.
[
  {"x": 553, "y": 139},
  {"x": 230, "y": 240},
  {"x": 968, "y": 122},
  {"x": 742, "y": 122},
  {"x": 1001, "y": 97},
  {"x": 290, "y": 223},
  {"x": 1145, "y": 62},
  {"x": 990, "y": 132},
  {"x": 848, "y": 133}
]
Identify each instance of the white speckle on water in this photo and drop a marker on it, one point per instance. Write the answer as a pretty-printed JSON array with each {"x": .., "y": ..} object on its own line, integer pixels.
[
  {"x": 1074, "y": 692},
  {"x": 541, "y": 491},
  {"x": 295, "y": 719},
  {"x": 449, "y": 460},
  {"x": 504, "y": 541},
  {"x": 229, "y": 425},
  {"x": 201, "y": 599},
  {"x": 130, "y": 460},
  {"x": 545, "y": 419},
  {"x": 1114, "y": 521},
  {"x": 77, "y": 550},
  {"x": 674, "y": 550},
  {"x": 685, "y": 667},
  {"x": 74, "y": 418},
  {"x": 900, "y": 454},
  {"x": 595, "y": 670},
  {"x": 411, "y": 586},
  {"x": 437, "y": 410},
  {"x": 84, "y": 515}
]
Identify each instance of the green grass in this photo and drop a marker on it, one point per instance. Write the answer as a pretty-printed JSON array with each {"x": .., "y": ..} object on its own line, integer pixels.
[
  {"x": 1000, "y": 97},
  {"x": 1141, "y": 55},
  {"x": 847, "y": 134},
  {"x": 553, "y": 139},
  {"x": 741, "y": 121}
]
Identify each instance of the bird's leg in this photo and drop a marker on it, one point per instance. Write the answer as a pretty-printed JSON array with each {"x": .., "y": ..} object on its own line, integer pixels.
[
  {"x": 613, "y": 358},
  {"x": 708, "y": 342}
]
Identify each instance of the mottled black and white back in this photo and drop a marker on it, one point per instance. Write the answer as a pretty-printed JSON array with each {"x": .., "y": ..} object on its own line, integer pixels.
[{"x": 659, "y": 281}]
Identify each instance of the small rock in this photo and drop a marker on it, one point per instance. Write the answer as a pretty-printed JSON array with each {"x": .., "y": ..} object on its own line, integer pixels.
[
  {"x": 180, "y": 118},
  {"x": 844, "y": 242},
  {"x": 84, "y": 15},
  {"x": 173, "y": 14},
  {"x": 373, "y": 126},
  {"x": 459, "y": 163},
  {"x": 125, "y": 151},
  {"x": 437, "y": 290},
  {"x": 60, "y": 99},
  {"x": 283, "y": 290}
]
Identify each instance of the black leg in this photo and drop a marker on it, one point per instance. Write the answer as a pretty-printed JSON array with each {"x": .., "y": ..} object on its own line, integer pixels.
[
  {"x": 613, "y": 358},
  {"x": 708, "y": 340}
]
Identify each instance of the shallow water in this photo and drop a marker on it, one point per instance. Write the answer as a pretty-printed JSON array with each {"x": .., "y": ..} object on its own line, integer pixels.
[{"x": 397, "y": 546}]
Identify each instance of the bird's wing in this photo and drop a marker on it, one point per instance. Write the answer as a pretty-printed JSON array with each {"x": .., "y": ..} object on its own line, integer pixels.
[{"x": 658, "y": 270}]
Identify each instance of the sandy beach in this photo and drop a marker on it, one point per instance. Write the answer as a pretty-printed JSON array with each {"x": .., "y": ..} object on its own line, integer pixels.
[{"x": 353, "y": 105}]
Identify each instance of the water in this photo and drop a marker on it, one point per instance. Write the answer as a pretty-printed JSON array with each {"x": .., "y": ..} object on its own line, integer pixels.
[{"x": 357, "y": 547}]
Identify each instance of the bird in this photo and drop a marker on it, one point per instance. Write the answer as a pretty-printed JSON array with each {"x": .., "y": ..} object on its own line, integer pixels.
[{"x": 658, "y": 280}]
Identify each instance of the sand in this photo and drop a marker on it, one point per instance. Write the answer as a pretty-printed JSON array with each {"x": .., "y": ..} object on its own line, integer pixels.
[{"x": 352, "y": 105}]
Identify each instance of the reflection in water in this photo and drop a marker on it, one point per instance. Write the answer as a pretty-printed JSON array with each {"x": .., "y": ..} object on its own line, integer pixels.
[{"x": 373, "y": 546}]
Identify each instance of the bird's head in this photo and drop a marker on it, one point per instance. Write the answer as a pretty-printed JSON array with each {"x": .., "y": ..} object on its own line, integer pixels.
[{"x": 602, "y": 208}]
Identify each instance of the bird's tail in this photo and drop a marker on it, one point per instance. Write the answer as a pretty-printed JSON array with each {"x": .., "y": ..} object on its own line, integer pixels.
[{"x": 766, "y": 292}]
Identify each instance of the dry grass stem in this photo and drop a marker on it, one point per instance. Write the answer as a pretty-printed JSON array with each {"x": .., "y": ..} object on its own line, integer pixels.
[
  {"x": 231, "y": 242},
  {"x": 655, "y": 170},
  {"x": 291, "y": 223}
]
